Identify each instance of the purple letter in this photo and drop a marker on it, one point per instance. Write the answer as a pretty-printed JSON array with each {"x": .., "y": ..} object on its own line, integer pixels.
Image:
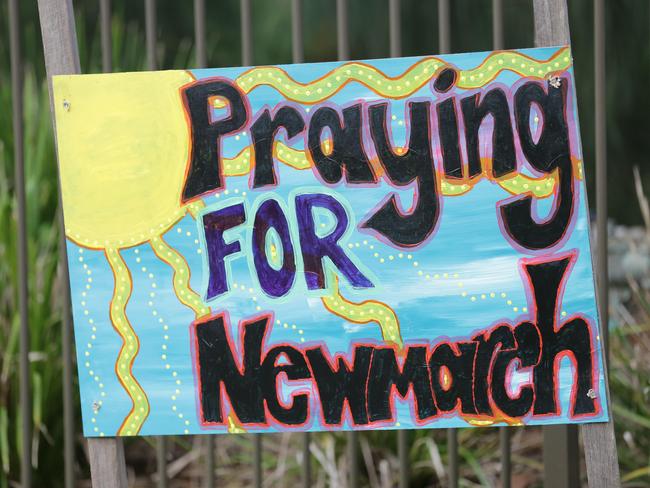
[
  {"x": 215, "y": 224},
  {"x": 314, "y": 248},
  {"x": 274, "y": 282}
]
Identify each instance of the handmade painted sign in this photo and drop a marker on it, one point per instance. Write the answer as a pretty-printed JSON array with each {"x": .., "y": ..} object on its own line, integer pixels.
[{"x": 399, "y": 243}]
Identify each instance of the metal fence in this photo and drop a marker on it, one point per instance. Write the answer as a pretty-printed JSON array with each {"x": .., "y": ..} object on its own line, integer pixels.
[{"x": 561, "y": 452}]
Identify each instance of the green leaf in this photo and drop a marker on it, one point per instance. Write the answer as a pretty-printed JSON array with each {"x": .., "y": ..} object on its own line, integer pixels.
[{"x": 4, "y": 439}]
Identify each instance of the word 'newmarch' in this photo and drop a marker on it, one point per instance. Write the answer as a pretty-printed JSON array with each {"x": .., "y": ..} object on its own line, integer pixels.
[{"x": 472, "y": 377}]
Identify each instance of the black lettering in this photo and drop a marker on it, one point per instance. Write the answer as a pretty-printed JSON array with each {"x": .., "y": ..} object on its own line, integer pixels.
[
  {"x": 385, "y": 373},
  {"x": 549, "y": 153},
  {"x": 415, "y": 164},
  {"x": 297, "y": 369},
  {"x": 263, "y": 132},
  {"x": 205, "y": 173},
  {"x": 448, "y": 134},
  {"x": 460, "y": 368},
  {"x": 340, "y": 385},
  {"x": 573, "y": 337},
  {"x": 526, "y": 353},
  {"x": 217, "y": 365},
  {"x": 347, "y": 153},
  {"x": 499, "y": 338},
  {"x": 494, "y": 103}
]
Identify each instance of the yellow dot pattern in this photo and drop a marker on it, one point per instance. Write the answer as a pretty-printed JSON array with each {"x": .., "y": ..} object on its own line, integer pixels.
[
  {"x": 518, "y": 63},
  {"x": 194, "y": 208},
  {"x": 240, "y": 165},
  {"x": 401, "y": 86},
  {"x": 181, "y": 279},
  {"x": 130, "y": 345},
  {"x": 164, "y": 356},
  {"x": 492, "y": 295},
  {"x": 97, "y": 404},
  {"x": 539, "y": 187},
  {"x": 364, "y": 312},
  {"x": 295, "y": 158}
]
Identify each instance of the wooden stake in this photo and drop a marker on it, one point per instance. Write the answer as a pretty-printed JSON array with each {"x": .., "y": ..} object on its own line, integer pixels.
[
  {"x": 107, "y": 466},
  {"x": 601, "y": 457}
]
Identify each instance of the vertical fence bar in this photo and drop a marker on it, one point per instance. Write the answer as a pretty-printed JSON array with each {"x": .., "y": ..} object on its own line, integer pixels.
[
  {"x": 403, "y": 456},
  {"x": 105, "y": 32},
  {"x": 257, "y": 460},
  {"x": 246, "y": 33},
  {"x": 561, "y": 456},
  {"x": 353, "y": 458},
  {"x": 342, "y": 41},
  {"x": 444, "y": 46},
  {"x": 306, "y": 460},
  {"x": 247, "y": 60},
  {"x": 497, "y": 24},
  {"x": 201, "y": 62},
  {"x": 560, "y": 451},
  {"x": 601, "y": 171},
  {"x": 297, "y": 47},
  {"x": 150, "y": 31},
  {"x": 504, "y": 432},
  {"x": 452, "y": 454},
  {"x": 395, "y": 27},
  {"x": 444, "y": 27},
  {"x": 506, "y": 467},
  {"x": 343, "y": 53},
  {"x": 199, "y": 33},
  {"x": 598, "y": 439},
  {"x": 150, "y": 22},
  {"x": 209, "y": 477},
  {"x": 19, "y": 178},
  {"x": 395, "y": 38},
  {"x": 161, "y": 460},
  {"x": 297, "y": 56}
]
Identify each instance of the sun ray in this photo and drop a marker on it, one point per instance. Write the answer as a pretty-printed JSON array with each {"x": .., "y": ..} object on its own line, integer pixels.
[
  {"x": 194, "y": 208},
  {"x": 130, "y": 345},
  {"x": 364, "y": 312},
  {"x": 181, "y": 279}
]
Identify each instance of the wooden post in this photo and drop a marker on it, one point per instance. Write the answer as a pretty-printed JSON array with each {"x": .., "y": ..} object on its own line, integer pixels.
[
  {"x": 107, "y": 467},
  {"x": 106, "y": 455},
  {"x": 601, "y": 457}
]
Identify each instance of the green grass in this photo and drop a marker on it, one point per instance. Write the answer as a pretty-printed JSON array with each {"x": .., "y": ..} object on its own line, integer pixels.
[
  {"x": 44, "y": 286},
  {"x": 630, "y": 387}
]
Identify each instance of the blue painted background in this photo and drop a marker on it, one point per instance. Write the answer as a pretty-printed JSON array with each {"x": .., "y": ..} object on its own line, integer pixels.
[{"x": 463, "y": 280}]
